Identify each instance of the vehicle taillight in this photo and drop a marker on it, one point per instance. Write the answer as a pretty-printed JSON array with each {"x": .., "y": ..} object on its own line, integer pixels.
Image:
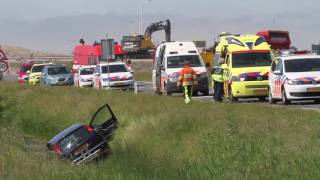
[
  {"x": 56, "y": 148},
  {"x": 89, "y": 128}
]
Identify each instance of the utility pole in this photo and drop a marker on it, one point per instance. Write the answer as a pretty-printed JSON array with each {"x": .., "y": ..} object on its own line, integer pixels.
[{"x": 141, "y": 16}]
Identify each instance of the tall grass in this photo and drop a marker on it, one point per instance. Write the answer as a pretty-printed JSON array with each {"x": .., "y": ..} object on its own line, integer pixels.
[{"x": 158, "y": 137}]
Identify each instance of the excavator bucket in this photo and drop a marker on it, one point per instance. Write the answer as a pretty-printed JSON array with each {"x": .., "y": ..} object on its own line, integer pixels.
[{"x": 147, "y": 44}]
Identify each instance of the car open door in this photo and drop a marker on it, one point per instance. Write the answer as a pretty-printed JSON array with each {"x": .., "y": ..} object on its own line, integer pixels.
[{"x": 104, "y": 121}]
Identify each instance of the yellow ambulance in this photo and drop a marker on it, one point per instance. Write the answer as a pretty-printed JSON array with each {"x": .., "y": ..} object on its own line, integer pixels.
[{"x": 247, "y": 60}]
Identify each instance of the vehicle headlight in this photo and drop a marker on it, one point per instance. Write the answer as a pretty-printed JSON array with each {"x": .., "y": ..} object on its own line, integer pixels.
[
  {"x": 50, "y": 78},
  {"x": 293, "y": 82},
  {"x": 237, "y": 79},
  {"x": 130, "y": 78}
]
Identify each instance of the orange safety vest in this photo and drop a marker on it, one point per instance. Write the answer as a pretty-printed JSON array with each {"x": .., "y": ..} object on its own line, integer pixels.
[{"x": 187, "y": 77}]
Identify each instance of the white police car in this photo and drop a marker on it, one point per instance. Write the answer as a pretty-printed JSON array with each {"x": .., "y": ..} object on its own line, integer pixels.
[
  {"x": 113, "y": 75},
  {"x": 294, "y": 78},
  {"x": 84, "y": 76}
]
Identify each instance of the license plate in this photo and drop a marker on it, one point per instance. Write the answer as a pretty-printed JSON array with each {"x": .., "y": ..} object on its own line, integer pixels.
[
  {"x": 314, "y": 89},
  {"x": 260, "y": 91}
]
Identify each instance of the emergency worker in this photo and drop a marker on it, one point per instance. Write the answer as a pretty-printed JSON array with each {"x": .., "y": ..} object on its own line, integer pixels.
[
  {"x": 118, "y": 51},
  {"x": 218, "y": 81},
  {"x": 188, "y": 80}
]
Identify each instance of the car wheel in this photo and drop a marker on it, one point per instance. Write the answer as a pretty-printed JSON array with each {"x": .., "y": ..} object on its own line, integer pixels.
[
  {"x": 166, "y": 93},
  {"x": 195, "y": 93},
  {"x": 157, "y": 91},
  {"x": 285, "y": 101},
  {"x": 270, "y": 99},
  {"x": 205, "y": 92}
]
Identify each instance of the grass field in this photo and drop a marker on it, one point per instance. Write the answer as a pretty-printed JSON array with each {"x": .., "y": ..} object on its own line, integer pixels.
[
  {"x": 158, "y": 137},
  {"x": 143, "y": 76}
]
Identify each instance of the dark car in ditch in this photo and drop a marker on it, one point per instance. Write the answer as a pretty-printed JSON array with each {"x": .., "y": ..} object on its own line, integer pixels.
[{"x": 82, "y": 143}]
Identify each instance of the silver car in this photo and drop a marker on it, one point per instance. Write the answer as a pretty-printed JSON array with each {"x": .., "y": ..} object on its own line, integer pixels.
[{"x": 56, "y": 74}]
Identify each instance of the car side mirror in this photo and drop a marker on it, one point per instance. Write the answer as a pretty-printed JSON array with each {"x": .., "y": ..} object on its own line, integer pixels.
[
  {"x": 277, "y": 72},
  {"x": 44, "y": 74},
  {"x": 97, "y": 74}
]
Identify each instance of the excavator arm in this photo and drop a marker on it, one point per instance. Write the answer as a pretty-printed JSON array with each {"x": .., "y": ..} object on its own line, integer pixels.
[{"x": 161, "y": 25}]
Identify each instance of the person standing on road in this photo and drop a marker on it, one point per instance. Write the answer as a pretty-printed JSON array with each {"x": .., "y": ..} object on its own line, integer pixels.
[
  {"x": 218, "y": 81},
  {"x": 187, "y": 79}
]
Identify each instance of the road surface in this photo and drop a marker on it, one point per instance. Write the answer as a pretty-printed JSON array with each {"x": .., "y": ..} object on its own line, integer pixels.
[{"x": 146, "y": 87}]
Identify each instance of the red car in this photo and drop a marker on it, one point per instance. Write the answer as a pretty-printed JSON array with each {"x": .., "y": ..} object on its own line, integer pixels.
[{"x": 23, "y": 72}]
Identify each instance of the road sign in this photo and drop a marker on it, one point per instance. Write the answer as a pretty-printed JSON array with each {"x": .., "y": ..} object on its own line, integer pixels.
[
  {"x": 107, "y": 47},
  {"x": 3, "y": 57},
  {"x": 3, "y": 66}
]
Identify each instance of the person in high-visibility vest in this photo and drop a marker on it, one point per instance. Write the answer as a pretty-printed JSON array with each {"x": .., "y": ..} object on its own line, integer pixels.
[
  {"x": 218, "y": 81},
  {"x": 187, "y": 79}
]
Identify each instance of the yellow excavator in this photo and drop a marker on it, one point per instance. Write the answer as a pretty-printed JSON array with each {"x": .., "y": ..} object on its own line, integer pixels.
[{"x": 141, "y": 46}]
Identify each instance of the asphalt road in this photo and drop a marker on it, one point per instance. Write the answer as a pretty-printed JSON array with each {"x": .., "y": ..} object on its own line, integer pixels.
[{"x": 146, "y": 87}]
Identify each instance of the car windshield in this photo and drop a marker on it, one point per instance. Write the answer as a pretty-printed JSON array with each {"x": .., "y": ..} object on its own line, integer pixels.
[
  {"x": 37, "y": 68},
  {"x": 86, "y": 71},
  {"x": 74, "y": 139},
  {"x": 25, "y": 68},
  {"x": 114, "y": 69},
  {"x": 251, "y": 59},
  {"x": 57, "y": 70},
  {"x": 179, "y": 61},
  {"x": 302, "y": 65}
]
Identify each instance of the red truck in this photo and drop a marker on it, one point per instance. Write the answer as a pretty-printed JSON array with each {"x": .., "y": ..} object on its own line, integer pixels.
[
  {"x": 91, "y": 55},
  {"x": 277, "y": 39}
]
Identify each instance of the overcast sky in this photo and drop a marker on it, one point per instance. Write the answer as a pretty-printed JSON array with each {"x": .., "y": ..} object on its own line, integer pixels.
[{"x": 60, "y": 21}]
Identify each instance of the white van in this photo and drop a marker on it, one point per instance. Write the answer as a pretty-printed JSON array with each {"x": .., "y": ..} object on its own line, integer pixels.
[{"x": 170, "y": 57}]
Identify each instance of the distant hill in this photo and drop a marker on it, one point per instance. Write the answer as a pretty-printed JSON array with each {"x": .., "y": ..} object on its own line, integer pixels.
[{"x": 13, "y": 52}]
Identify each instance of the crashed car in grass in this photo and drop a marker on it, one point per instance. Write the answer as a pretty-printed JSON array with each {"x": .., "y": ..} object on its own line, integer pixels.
[{"x": 81, "y": 143}]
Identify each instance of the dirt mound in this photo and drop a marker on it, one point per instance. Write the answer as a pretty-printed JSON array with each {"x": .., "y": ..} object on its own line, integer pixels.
[{"x": 13, "y": 52}]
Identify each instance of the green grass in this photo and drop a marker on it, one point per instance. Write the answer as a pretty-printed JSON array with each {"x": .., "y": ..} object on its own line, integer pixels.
[
  {"x": 143, "y": 76},
  {"x": 158, "y": 138}
]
